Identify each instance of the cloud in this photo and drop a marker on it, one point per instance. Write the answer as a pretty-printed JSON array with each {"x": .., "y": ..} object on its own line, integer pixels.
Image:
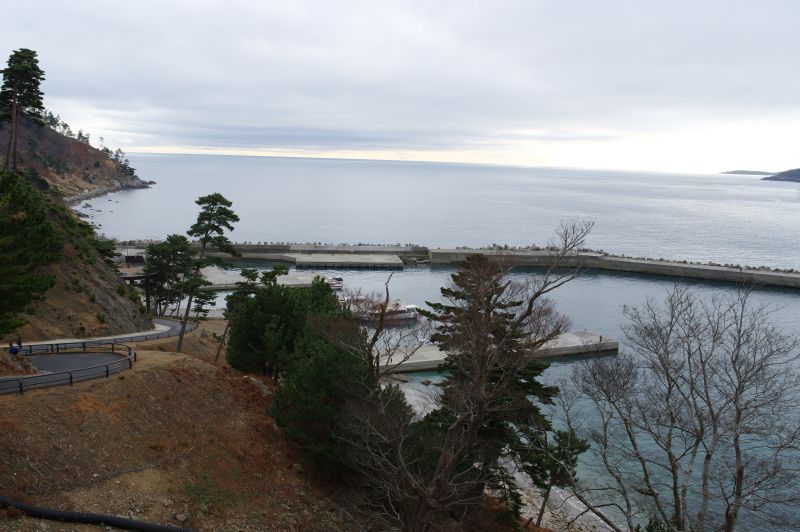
[{"x": 515, "y": 77}]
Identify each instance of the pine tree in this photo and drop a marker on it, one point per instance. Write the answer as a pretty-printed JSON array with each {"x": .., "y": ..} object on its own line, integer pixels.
[
  {"x": 214, "y": 218},
  {"x": 28, "y": 240},
  {"x": 489, "y": 327},
  {"x": 20, "y": 96}
]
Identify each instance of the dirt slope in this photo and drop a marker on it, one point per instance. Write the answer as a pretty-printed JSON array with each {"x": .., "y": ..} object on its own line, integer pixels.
[{"x": 176, "y": 441}]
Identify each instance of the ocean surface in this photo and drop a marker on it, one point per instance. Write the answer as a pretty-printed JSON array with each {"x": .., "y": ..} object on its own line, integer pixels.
[{"x": 718, "y": 218}]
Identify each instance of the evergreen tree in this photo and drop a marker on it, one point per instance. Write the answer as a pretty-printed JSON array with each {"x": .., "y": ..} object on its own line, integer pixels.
[
  {"x": 28, "y": 241},
  {"x": 244, "y": 290},
  {"x": 550, "y": 461},
  {"x": 169, "y": 262},
  {"x": 20, "y": 95},
  {"x": 214, "y": 218},
  {"x": 489, "y": 327}
]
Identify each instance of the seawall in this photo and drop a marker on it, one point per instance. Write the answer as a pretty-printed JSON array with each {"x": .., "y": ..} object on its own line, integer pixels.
[{"x": 393, "y": 257}]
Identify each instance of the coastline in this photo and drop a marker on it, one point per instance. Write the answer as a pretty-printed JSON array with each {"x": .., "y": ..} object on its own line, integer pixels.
[{"x": 98, "y": 192}]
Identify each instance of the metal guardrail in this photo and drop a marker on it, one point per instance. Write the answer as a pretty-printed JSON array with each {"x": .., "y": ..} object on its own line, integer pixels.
[
  {"x": 85, "y": 344},
  {"x": 113, "y": 345},
  {"x": 46, "y": 380}
]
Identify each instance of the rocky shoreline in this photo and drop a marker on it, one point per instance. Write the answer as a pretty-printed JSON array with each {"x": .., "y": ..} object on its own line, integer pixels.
[{"x": 90, "y": 194}]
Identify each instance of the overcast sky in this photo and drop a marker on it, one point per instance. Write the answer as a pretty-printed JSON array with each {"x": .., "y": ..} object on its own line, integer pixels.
[{"x": 702, "y": 85}]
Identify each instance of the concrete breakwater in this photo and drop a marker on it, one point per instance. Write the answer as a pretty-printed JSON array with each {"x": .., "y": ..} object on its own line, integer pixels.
[
  {"x": 576, "y": 343},
  {"x": 395, "y": 257}
]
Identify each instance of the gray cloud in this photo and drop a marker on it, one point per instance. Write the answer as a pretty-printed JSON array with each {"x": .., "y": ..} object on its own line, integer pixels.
[{"x": 358, "y": 75}]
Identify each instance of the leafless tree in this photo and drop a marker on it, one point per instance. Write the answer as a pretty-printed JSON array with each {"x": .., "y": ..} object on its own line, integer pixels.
[{"x": 699, "y": 424}]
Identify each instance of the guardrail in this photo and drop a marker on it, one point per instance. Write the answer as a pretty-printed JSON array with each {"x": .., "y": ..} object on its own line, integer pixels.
[
  {"x": 37, "y": 348},
  {"x": 20, "y": 384}
]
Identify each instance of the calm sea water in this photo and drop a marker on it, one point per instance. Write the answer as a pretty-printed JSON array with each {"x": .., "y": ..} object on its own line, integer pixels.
[
  {"x": 719, "y": 218},
  {"x": 725, "y": 219}
]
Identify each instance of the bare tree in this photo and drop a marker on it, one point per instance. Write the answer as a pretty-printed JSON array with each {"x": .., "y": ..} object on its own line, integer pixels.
[{"x": 700, "y": 424}]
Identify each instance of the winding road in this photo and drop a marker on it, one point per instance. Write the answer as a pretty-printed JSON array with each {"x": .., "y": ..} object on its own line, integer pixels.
[{"x": 65, "y": 361}]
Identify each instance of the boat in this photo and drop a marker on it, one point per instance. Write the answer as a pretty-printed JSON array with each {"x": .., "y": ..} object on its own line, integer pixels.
[
  {"x": 336, "y": 283},
  {"x": 370, "y": 311}
]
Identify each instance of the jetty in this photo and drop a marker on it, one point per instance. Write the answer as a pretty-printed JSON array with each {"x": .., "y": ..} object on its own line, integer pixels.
[
  {"x": 305, "y": 256},
  {"x": 576, "y": 343}
]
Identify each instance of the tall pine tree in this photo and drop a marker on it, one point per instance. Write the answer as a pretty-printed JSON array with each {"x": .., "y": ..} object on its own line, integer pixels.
[{"x": 20, "y": 95}]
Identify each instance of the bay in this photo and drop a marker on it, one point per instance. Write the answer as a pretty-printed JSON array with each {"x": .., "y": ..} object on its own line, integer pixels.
[{"x": 718, "y": 218}]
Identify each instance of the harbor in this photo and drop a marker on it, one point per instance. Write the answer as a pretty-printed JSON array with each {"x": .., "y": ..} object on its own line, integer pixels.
[{"x": 306, "y": 256}]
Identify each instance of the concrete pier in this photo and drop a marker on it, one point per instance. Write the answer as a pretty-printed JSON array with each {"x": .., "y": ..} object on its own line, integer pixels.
[
  {"x": 395, "y": 257},
  {"x": 339, "y": 260},
  {"x": 574, "y": 343},
  {"x": 222, "y": 280}
]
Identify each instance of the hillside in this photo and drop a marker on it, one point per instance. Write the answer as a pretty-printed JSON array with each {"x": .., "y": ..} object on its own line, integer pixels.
[
  {"x": 175, "y": 441},
  {"x": 788, "y": 175},
  {"x": 87, "y": 298},
  {"x": 74, "y": 168}
]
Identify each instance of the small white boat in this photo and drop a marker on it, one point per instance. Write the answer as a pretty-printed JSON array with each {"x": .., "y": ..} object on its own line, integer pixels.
[
  {"x": 370, "y": 311},
  {"x": 336, "y": 283}
]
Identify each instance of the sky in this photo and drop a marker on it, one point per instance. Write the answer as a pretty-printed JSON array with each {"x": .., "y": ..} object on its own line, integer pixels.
[{"x": 688, "y": 86}]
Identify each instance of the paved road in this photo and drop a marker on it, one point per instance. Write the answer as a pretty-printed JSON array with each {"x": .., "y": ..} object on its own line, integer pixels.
[
  {"x": 71, "y": 361},
  {"x": 81, "y": 365},
  {"x": 163, "y": 328}
]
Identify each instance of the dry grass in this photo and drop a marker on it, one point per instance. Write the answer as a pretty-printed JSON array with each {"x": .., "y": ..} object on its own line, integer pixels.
[{"x": 174, "y": 437}]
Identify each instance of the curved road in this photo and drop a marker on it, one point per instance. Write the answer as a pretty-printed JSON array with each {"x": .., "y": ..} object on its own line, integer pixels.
[{"x": 55, "y": 368}]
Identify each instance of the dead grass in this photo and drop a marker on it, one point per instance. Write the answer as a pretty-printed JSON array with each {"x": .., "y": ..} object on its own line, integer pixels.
[{"x": 173, "y": 438}]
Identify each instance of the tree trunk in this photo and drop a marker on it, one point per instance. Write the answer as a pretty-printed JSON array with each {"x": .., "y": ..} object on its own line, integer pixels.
[
  {"x": 544, "y": 504},
  {"x": 222, "y": 341},
  {"x": 11, "y": 134},
  {"x": 189, "y": 303},
  {"x": 16, "y": 138}
]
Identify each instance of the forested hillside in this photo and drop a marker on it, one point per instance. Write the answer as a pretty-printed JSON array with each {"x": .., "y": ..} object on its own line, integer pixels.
[{"x": 55, "y": 277}]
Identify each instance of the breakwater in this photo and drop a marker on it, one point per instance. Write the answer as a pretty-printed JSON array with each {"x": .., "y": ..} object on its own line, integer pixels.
[{"x": 394, "y": 257}]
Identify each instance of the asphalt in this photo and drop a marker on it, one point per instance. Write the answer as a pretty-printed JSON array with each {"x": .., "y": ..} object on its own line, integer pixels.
[{"x": 54, "y": 368}]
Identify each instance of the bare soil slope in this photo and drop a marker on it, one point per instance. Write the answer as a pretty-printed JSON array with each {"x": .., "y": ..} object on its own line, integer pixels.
[
  {"x": 175, "y": 441},
  {"x": 74, "y": 168}
]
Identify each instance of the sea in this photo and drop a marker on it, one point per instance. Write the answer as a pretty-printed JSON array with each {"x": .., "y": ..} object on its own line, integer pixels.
[{"x": 725, "y": 219}]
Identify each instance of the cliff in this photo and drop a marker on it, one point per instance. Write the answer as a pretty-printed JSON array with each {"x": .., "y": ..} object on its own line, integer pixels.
[{"x": 74, "y": 168}]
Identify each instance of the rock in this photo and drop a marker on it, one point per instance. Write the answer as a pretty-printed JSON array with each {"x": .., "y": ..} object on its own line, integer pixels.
[
  {"x": 298, "y": 467},
  {"x": 400, "y": 377},
  {"x": 426, "y": 382},
  {"x": 167, "y": 502},
  {"x": 182, "y": 517},
  {"x": 263, "y": 388}
]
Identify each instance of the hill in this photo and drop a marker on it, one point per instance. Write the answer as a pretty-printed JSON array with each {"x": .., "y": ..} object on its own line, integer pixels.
[
  {"x": 747, "y": 172},
  {"x": 174, "y": 441},
  {"x": 87, "y": 296},
  {"x": 69, "y": 165},
  {"x": 788, "y": 175}
]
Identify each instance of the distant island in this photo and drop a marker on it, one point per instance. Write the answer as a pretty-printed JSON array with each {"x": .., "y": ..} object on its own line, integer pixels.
[
  {"x": 788, "y": 175},
  {"x": 748, "y": 172}
]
